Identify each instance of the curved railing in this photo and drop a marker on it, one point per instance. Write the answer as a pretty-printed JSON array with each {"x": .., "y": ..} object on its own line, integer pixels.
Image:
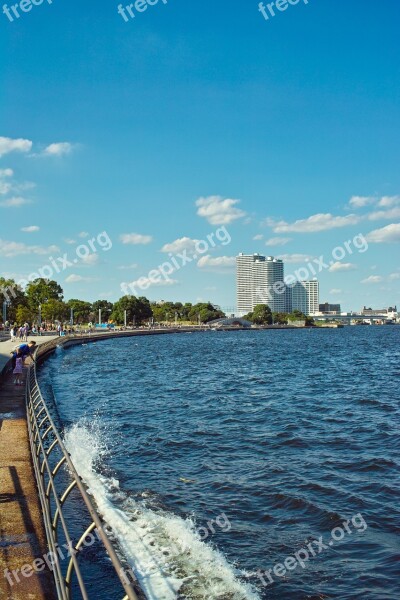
[{"x": 51, "y": 460}]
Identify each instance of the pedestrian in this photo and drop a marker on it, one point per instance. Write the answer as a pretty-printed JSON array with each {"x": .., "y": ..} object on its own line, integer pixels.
[
  {"x": 12, "y": 334},
  {"x": 18, "y": 369},
  {"x": 25, "y": 350},
  {"x": 21, "y": 333}
]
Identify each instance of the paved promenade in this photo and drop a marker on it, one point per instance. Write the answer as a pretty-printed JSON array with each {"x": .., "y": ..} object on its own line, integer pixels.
[{"x": 22, "y": 538}]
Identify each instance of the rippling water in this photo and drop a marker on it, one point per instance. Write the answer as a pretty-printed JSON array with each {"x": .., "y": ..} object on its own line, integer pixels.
[{"x": 222, "y": 454}]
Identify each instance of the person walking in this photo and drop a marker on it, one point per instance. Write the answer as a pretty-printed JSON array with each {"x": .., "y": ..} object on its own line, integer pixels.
[
  {"x": 12, "y": 334},
  {"x": 18, "y": 369}
]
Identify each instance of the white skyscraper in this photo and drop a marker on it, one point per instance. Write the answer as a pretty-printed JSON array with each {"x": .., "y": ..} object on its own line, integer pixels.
[
  {"x": 259, "y": 281},
  {"x": 304, "y": 296}
]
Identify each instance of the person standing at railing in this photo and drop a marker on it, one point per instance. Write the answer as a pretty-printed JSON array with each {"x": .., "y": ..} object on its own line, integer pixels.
[
  {"x": 18, "y": 369},
  {"x": 25, "y": 350}
]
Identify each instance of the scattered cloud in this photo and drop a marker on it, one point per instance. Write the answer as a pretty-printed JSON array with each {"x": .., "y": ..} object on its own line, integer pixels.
[
  {"x": 295, "y": 258},
  {"x": 335, "y": 291},
  {"x": 218, "y": 263},
  {"x": 11, "y": 249},
  {"x": 30, "y": 229},
  {"x": 144, "y": 283},
  {"x": 14, "y": 202},
  {"x": 388, "y": 234},
  {"x": 83, "y": 234},
  {"x": 76, "y": 278},
  {"x": 380, "y": 215},
  {"x": 277, "y": 241},
  {"x": 339, "y": 266},
  {"x": 14, "y": 145},
  {"x": 361, "y": 201},
  {"x": 388, "y": 201},
  {"x": 5, "y": 186},
  {"x": 90, "y": 260},
  {"x": 259, "y": 236},
  {"x": 218, "y": 210},
  {"x": 313, "y": 224},
  {"x": 180, "y": 245},
  {"x": 373, "y": 279},
  {"x": 394, "y": 276},
  {"x": 58, "y": 149},
  {"x": 69, "y": 241},
  {"x": 135, "y": 238},
  {"x": 128, "y": 267}
]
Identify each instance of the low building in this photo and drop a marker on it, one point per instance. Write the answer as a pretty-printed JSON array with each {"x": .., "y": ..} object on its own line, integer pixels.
[{"x": 330, "y": 309}]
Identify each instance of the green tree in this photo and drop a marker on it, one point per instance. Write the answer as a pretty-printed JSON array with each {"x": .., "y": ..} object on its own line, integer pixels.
[
  {"x": 41, "y": 290},
  {"x": 205, "y": 312},
  {"x": 280, "y": 318},
  {"x": 54, "y": 310},
  {"x": 262, "y": 315},
  {"x": 13, "y": 295},
  {"x": 23, "y": 315},
  {"x": 81, "y": 310},
  {"x": 138, "y": 310}
]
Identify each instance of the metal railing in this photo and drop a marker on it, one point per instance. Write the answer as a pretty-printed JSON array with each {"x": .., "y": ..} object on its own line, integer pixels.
[{"x": 56, "y": 478}]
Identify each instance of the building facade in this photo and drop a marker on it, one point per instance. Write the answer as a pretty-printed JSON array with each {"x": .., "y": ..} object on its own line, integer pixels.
[{"x": 259, "y": 280}]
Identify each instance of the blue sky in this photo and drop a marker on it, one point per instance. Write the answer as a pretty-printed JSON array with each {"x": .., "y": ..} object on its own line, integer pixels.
[{"x": 193, "y": 116}]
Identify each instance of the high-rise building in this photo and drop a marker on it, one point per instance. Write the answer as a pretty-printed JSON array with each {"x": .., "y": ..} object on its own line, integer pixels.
[
  {"x": 304, "y": 296},
  {"x": 259, "y": 280}
]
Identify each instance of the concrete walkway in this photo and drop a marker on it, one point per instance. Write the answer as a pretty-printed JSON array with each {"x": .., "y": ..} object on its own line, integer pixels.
[{"x": 22, "y": 538}]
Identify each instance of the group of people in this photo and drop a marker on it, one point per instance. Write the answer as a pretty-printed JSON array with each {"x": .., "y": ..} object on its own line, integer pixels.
[
  {"x": 19, "y": 355},
  {"x": 20, "y": 333}
]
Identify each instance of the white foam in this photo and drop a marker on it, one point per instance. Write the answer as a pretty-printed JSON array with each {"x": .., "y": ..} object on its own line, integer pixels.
[{"x": 165, "y": 551}]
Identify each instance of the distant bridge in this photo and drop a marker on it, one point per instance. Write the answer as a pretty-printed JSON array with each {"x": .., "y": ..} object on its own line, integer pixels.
[{"x": 350, "y": 318}]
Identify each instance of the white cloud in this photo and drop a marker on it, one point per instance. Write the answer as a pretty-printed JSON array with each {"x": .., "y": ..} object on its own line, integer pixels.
[
  {"x": 388, "y": 201},
  {"x": 180, "y": 245},
  {"x": 218, "y": 263},
  {"x": 394, "y": 276},
  {"x": 83, "y": 234},
  {"x": 12, "y": 249},
  {"x": 144, "y": 283},
  {"x": 30, "y": 229},
  {"x": 5, "y": 186},
  {"x": 335, "y": 291},
  {"x": 339, "y": 266},
  {"x": 295, "y": 258},
  {"x": 218, "y": 210},
  {"x": 128, "y": 267},
  {"x": 315, "y": 223},
  {"x": 379, "y": 215},
  {"x": 373, "y": 279},
  {"x": 14, "y": 145},
  {"x": 135, "y": 238},
  {"x": 75, "y": 278},
  {"x": 259, "y": 236},
  {"x": 361, "y": 201},
  {"x": 14, "y": 202},
  {"x": 277, "y": 241},
  {"x": 90, "y": 260},
  {"x": 388, "y": 234},
  {"x": 58, "y": 149},
  {"x": 69, "y": 241}
]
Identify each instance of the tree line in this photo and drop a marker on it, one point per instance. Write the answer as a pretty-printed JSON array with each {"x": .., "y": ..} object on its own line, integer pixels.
[{"x": 43, "y": 300}]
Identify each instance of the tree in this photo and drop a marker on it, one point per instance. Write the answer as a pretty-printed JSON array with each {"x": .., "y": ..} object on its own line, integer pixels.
[
  {"x": 23, "y": 315},
  {"x": 11, "y": 293},
  {"x": 41, "y": 290},
  {"x": 81, "y": 310},
  {"x": 54, "y": 310},
  {"x": 262, "y": 315},
  {"x": 297, "y": 315},
  {"x": 138, "y": 310},
  {"x": 205, "y": 312},
  {"x": 280, "y": 318}
]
